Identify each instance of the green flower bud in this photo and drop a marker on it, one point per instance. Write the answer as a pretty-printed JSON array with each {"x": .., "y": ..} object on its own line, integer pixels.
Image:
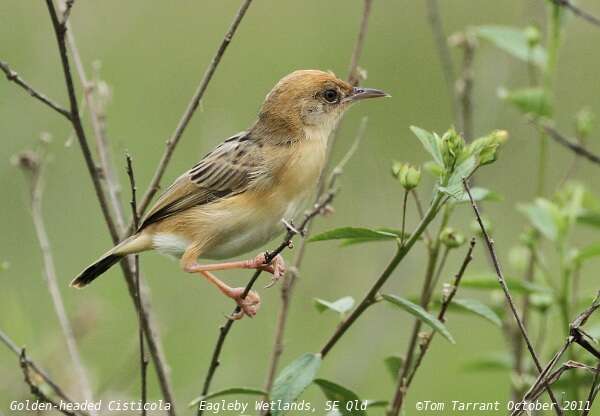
[
  {"x": 486, "y": 148},
  {"x": 396, "y": 168},
  {"x": 533, "y": 36},
  {"x": 451, "y": 238},
  {"x": 452, "y": 148},
  {"x": 541, "y": 301},
  {"x": 409, "y": 177}
]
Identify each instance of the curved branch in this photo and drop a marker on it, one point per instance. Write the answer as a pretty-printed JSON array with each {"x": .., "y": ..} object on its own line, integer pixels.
[
  {"x": 14, "y": 77},
  {"x": 191, "y": 108}
]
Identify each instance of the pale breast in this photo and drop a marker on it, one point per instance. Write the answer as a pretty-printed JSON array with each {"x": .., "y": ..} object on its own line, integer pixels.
[{"x": 247, "y": 221}]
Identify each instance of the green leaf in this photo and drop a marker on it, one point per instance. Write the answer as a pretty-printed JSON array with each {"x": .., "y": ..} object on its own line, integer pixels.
[
  {"x": 528, "y": 100},
  {"x": 496, "y": 361},
  {"x": 422, "y": 314},
  {"x": 490, "y": 282},
  {"x": 340, "y": 306},
  {"x": 228, "y": 392},
  {"x": 431, "y": 143},
  {"x": 393, "y": 363},
  {"x": 512, "y": 41},
  {"x": 479, "y": 308},
  {"x": 588, "y": 217},
  {"x": 294, "y": 378},
  {"x": 546, "y": 217},
  {"x": 481, "y": 194},
  {"x": 359, "y": 240},
  {"x": 350, "y": 233},
  {"x": 455, "y": 187},
  {"x": 588, "y": 252},
  {"x": 335, "y": 392}
]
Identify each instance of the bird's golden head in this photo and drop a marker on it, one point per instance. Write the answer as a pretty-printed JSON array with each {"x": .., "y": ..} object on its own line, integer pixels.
[{"x": 309, "y": 103}]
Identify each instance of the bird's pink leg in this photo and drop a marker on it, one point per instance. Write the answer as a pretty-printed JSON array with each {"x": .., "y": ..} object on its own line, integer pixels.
[
  {"x": 249, "y": 305},
  {"x": 276, "y": 267}
]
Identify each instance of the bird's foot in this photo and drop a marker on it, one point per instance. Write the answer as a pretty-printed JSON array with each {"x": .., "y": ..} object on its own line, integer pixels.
[
  {"x": 248, "y": 305},
  {"x": 276, "y": 267}
]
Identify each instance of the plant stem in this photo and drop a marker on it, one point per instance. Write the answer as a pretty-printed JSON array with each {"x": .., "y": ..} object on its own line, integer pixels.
[
  {"x": 426, "y": 291},
  {"x": 371, "y": 296},
  {"x": 509, "y": 299},
  {"x": 404, "y": 202}
]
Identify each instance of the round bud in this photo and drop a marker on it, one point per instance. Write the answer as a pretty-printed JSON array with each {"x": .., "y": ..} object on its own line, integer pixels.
[{"x": 451, "y": 238}]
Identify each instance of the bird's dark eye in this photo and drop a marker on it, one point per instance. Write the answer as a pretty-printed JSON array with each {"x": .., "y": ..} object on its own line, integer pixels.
[{"x": 331, "y": 96}]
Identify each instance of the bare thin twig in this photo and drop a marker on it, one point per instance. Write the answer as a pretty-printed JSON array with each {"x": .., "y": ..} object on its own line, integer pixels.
[
  {"x": 492, "y": 251},
  {"x": 106, "y": 166},
  {"x": 292, "y": 274},
  {"x": 371, "y": 296},
  {"x": 35, "y": 390},
  {"x": 76, "y": 120},
  {"x": 127, "y": 267},
  {"x": 353, "y": 70},
  {"x": 565, "y": 141},
  {"x": 269, "y": 256},
  {"x": 575, "y": 336},
  {"x": 68, "y": 7},
  {"x": 593, "y": 392},
  {"x": 433, "y": 15},
  {"x": 14, "y": 77},
  {"x": 464, "y": 85},
  {"x": 431, "y": 277},
  {"x": 579, "y": 12},
  {"x": 143, "y": 358},
  {"x": 10, "y": 344},
  {"x": 33, "y": 165},
  {"x": 191, "y": 108},
  {"x": 287, "y": 287},
  {"x": 447, "y": 300}
]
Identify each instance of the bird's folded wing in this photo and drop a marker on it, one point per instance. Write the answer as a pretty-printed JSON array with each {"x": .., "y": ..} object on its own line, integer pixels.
[{"x": 228, "y": 170}]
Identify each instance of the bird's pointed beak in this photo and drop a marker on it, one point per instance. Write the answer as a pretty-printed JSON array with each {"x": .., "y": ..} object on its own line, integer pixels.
[{"x": 360, "y": 93}]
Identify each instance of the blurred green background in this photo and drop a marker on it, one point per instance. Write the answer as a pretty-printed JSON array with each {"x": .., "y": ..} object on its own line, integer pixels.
[{"x": 153, "y": 55}]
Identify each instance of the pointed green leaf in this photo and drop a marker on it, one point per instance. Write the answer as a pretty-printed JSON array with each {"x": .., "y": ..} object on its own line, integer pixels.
[
  {"x": 455, "y": 187},
  {"x": 359, "y": 240},
  {"x": 490, "y": 282},
  {"x": 340, "y": 306},
  {"x": 478, "y": 308},
  {"x": 346, "y": 233},
  {"x": 393, "y": 363},
  {"x": 481, "y": 194},
  {"x": 546, "y": 217},
  {"x": 588, "y": 252},
  {"x": 528, "y": 100},
  {"x": 512, "y": 41},
  {"x": 495, "y": 361},
  {"x": 294, "y": 378},
  {"x": 431, "y": 143},
  {"x": 422, "y": 314},
  {"x": 335, "y": 392},
  {"x": 228, "y": 392},
  {"x": 588, "y": 217}
]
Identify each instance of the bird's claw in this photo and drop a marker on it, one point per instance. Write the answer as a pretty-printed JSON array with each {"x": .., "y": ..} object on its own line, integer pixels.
[
  {"x": 249, "y": 305},
  {"x": 276, "y": 267}
]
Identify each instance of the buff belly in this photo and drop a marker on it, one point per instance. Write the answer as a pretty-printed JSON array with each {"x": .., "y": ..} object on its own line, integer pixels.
[{"x": 226, "y": 232}]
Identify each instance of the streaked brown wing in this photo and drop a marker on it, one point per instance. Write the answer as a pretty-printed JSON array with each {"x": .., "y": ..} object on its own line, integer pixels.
[{"x": 227, "y": 170}]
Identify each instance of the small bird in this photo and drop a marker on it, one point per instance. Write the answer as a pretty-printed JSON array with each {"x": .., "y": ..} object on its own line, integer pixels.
[{"x": 234, "y": 200}]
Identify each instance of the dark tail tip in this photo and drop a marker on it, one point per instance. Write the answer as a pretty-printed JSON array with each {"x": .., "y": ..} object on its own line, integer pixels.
[{"x": 95, "y": 270}]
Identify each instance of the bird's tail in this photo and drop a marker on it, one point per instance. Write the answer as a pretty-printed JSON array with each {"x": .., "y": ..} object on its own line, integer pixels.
[{"x": 133, "y": 244}]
